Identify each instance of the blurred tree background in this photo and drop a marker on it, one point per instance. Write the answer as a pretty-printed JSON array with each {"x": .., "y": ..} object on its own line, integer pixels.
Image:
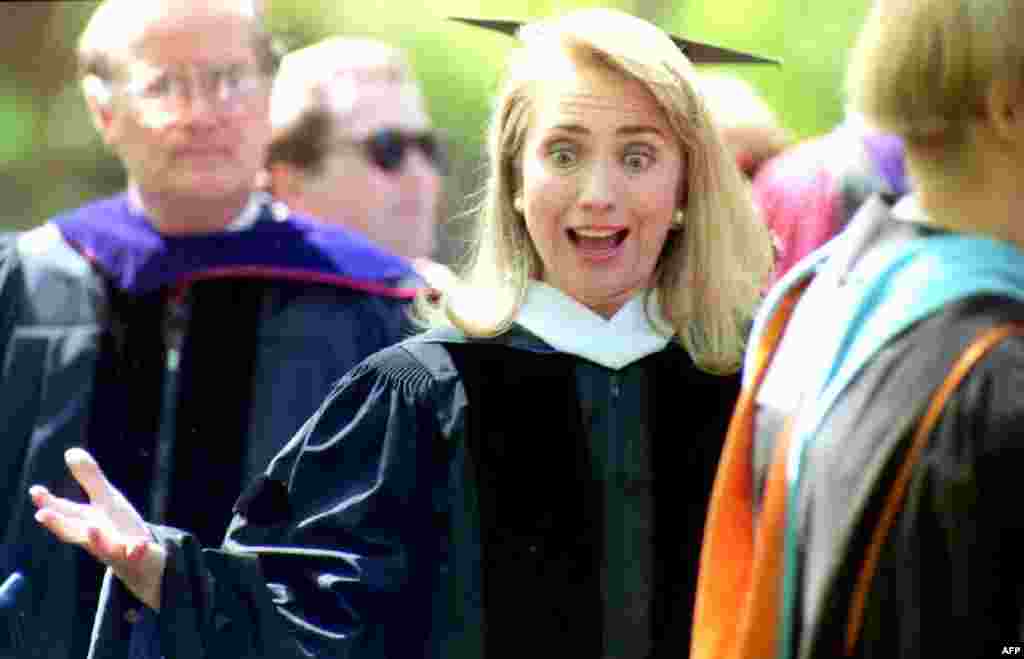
[{"x": 51, "y": 158}]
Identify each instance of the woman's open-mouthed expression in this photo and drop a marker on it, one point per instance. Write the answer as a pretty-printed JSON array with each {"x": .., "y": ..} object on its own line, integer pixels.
[{"x": 602, "y": 172}]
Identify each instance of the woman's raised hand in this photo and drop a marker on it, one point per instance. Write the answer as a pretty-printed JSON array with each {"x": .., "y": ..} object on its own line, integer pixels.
[{"x": 108, "y": 527}]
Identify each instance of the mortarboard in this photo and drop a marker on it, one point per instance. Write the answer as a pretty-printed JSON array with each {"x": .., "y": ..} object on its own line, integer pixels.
[{"x": 696, "y": 51}]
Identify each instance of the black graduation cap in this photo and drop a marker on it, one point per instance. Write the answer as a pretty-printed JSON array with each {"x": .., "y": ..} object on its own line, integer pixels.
[{"x": 696, "y": 51}]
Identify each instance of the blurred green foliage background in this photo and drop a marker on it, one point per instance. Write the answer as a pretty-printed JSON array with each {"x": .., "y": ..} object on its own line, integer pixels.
[{"x": 51, "y": 158}]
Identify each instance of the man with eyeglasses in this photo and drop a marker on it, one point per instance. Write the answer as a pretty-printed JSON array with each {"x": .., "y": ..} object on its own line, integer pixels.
[
  {"x": 353, "y": 145},
  {"x": 182, "y": 330}
]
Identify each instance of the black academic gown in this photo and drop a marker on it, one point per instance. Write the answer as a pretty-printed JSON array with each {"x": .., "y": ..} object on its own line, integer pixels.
[
  {"x": 950, "y": 580},
  {"x": 462, "y": 499},
  {"x": 86, "y": 363}
]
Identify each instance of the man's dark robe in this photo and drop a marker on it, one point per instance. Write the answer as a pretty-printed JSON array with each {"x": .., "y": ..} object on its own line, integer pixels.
[{"x": 182, "y": 363}]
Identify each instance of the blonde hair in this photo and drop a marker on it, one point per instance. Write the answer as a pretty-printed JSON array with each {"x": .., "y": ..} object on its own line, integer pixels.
[
  {"x": 921, "y": 69},
  {"x": 709, "y": 275}
]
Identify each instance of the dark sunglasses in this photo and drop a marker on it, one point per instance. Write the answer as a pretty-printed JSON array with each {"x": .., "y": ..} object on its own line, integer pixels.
[{"x": 387, "y": 149}]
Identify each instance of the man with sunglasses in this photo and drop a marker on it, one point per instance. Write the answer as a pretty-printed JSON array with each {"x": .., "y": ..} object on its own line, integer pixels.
[
  {"x": 353, "y": 145},
  {"x": 183, "y": 329}
]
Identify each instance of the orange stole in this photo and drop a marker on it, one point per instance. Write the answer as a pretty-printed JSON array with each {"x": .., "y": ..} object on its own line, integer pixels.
[{"x": 739, "y": 586}]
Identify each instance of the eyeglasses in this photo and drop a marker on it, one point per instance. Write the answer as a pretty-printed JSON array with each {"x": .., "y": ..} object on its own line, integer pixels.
[
  {"x": 226, "y": 87},
  {"x": 387, "y": 149}
]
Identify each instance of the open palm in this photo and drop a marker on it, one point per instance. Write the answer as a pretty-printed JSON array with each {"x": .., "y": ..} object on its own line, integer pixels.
[{"x": 108, "y": 527}]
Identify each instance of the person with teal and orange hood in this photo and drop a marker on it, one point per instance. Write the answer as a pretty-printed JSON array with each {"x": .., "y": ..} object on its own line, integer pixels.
[{"x": 865, "y": 502}]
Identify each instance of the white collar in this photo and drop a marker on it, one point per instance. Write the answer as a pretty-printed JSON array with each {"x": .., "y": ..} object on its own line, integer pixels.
[
  {"x": 568, "y": 326},
  {"x": 242, "y": 221},
  {"x": 251, "y": 212}
]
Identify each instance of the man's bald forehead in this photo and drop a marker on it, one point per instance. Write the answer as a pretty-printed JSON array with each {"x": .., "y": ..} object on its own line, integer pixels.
[{"x": 116, "y": 25}]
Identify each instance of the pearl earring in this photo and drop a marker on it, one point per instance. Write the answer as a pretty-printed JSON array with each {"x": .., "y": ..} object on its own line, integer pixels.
[
  {"x": 517, "y": 203},
  {"x": 678, "y": 218}
]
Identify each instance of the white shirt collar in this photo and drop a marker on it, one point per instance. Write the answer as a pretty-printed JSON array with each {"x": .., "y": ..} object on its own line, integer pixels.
[
  {"x": 251, "y": 212},
  {"x": 242, "y": 221},
  {"x": 568, "y": 326}
]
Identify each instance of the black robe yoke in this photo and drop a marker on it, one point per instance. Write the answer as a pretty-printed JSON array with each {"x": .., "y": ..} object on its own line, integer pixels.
[{"x": 451, "y": 499}]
